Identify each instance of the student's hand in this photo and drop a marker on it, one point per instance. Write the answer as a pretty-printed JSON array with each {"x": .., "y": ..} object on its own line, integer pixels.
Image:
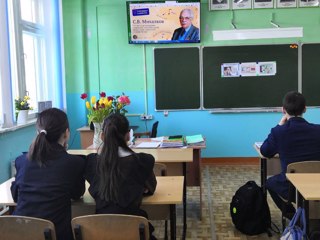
[{"x": 283, "y": 120}]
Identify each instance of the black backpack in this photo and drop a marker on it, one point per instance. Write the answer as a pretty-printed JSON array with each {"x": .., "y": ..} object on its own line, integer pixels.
[{"x": 249, "y": 210}]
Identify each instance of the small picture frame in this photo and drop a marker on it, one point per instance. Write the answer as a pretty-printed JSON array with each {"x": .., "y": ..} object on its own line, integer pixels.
[
  {"x": 241, "y": 4},
  {"x": 219, "y": 4},
  {"x": 308, "y": 3},
  {"x": 286, "y": 3},
  {"x": 263, "y": 3}
]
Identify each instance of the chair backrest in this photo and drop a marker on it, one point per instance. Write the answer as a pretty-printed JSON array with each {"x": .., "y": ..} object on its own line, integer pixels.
[
  {"x": 160, "y": 169},
  {"x": 20, "y": 227},
  {"x": 304, "y": 167},
  {"x": 110, "y": 226},
  {"x": 154, "y": 129}
]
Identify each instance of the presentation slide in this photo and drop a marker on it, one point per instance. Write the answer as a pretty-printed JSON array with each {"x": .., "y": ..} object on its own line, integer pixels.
[{"x": 157, "y": 22}]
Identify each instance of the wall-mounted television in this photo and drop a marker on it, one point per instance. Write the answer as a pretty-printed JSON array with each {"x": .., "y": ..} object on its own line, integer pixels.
[{"x": 164, "y": 21}]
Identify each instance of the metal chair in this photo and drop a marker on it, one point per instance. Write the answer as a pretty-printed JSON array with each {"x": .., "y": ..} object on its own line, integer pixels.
[
  {"x": 301, "y": 167},
  {"x": 25, "y": 228},
  {"x": 110, "y": 226}
]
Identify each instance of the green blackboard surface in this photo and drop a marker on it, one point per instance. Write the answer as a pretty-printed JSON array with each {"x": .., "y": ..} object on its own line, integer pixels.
[
  {"x": 253, "y": 91},
  {"x": 177, "y": 78},
  {"x": 311, "y": 73}
]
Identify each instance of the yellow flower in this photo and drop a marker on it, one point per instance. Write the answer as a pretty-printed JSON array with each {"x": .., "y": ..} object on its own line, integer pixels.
[
  {"x": 98, "y": 111},
  {"x": 22, "y": 103},
  {"x": 88, "y": 105},
  {"x": 109, "y": 104},
  {"x": 93, "y": 100}
]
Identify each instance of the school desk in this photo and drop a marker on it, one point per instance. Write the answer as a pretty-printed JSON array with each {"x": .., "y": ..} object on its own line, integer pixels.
[
  {"x": 168, "y": 194},
  {"x": 268, "y": 167},
  {"x": 308, "y": 188},
  {"x": 86, "y": 135},
  {"x": 174, "y": 158}
]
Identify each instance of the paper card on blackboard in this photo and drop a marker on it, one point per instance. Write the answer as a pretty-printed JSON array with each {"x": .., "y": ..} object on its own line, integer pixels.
[
  {"x": 248, "y": 69},
  {"x": 230, "y": 70},
  {"x": 267, "y": 68}
]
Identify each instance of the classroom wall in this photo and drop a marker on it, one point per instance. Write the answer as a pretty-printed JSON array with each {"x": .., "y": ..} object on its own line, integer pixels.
[
  {"x": 112, "y": 65},
  {"x": 99, "y": 58}
]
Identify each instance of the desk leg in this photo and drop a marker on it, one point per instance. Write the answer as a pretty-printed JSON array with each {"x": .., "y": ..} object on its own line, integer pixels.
[
  {"x": 173, "y": 221},
  {"x": 305, "y": 205},
  {"x": 184, "y": 200},
  {"x": 263, "y": 172}
]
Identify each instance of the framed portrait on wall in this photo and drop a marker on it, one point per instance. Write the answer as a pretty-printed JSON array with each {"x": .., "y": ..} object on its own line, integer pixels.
[
  {"x": 262, "y": 3},
  {"x": 286, "y": 3},
  {"x": 308, "y": 3},
  {"x": 241, "y": 4},
  {"x": 219, "y": 5}
]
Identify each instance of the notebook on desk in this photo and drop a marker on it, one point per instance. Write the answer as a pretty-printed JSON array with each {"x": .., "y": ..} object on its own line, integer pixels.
[{"x": 148, "y": 145}]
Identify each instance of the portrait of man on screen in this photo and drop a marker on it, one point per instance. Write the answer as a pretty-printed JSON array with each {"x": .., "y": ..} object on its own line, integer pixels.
[{"x": 187, "y": 31}]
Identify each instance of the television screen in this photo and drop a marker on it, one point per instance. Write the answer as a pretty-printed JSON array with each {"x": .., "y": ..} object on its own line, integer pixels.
[{"x": 164, "y": 21}]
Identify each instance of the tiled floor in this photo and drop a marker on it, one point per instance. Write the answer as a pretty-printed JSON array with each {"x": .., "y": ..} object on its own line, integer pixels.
[{"x": 219, "y": 184}]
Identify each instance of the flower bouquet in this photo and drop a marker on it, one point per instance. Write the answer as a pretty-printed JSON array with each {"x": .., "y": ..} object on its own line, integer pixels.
[
  {"x": 100, "y": 109},
  {"x": 22, "y": 107}
]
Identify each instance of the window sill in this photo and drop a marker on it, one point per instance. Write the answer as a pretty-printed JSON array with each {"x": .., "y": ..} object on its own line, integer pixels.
[{"x": 16, "y": 127}]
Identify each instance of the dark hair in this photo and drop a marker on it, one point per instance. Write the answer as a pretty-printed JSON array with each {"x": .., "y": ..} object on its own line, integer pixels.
[
  {"x": 51, "y": 124},
  {"x": 294, "y": 103},
  {"x": 115, "y": 127}
]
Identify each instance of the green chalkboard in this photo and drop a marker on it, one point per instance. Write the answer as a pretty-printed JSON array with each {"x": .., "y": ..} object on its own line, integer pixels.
[
  {"x": 177, "y": 78},
  {"x": 311, "y": 73},
  {"x": 248, "y": 91}
]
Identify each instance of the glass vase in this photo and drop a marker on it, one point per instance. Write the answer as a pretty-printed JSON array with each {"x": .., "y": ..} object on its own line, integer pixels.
[{"x": 97, "y": 134}]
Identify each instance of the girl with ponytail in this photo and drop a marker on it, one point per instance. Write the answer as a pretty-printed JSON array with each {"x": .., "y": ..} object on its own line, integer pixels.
[{"x": 47, "y": 176}]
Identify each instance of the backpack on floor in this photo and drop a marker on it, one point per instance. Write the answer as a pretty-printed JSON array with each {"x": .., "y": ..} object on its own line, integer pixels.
[{"x": 250, "y": 211}]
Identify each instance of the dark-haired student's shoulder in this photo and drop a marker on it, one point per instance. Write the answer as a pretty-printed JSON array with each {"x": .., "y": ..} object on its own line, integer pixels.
[{"x": 146, "y": 161}]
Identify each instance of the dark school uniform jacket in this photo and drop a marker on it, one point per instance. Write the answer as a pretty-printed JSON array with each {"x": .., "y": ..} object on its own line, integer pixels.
[
  {"x": 297, "y": 140},
  {"x": 46, "y": 191},
  {"x": 137, "y": 171}
]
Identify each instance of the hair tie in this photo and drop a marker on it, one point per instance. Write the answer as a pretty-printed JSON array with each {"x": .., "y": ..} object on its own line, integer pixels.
[{"x": 43, "y": 131}]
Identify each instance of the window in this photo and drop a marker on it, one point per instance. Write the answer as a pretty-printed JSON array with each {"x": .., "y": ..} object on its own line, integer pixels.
[{"x": 33, "y": 37}]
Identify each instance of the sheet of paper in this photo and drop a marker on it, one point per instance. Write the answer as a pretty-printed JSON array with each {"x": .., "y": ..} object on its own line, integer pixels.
[
  {"x": 148, "y": 145},
  {"x": 258, "y": 144}
]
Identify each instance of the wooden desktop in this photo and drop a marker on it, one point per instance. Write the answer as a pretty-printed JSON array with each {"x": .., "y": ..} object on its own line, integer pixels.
[
  {"x": 193, "y": 167},
  {"x": 308, "y": 189},
  {"x": 168, "y": 194}
]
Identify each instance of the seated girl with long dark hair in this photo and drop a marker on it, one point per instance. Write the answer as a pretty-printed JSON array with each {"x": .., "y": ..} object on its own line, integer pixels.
[{"x": 118, "y": 176}]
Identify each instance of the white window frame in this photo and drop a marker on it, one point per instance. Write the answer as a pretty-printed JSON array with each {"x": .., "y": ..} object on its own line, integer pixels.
[{"x": 12, "y": 73}]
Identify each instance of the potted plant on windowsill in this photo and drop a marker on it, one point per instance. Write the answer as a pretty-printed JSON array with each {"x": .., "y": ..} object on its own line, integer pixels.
[{"x": 22, "y": 106}]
